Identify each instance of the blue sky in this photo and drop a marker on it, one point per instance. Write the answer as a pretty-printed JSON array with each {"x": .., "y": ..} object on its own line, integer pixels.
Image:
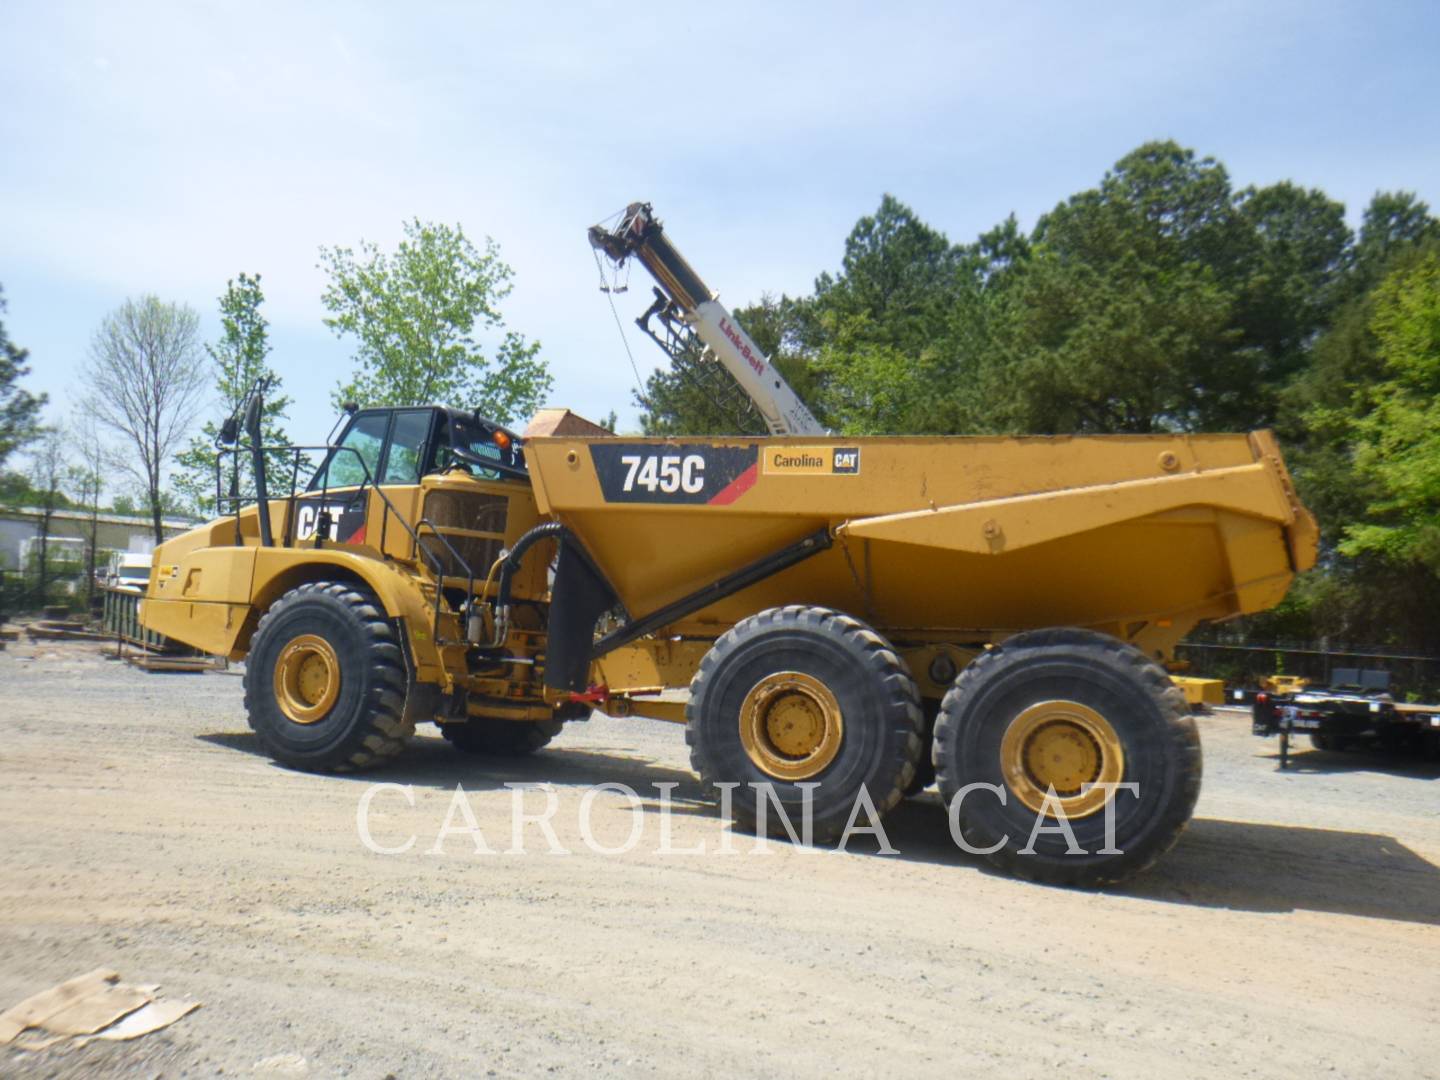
[{"x": 166, "y": 147}]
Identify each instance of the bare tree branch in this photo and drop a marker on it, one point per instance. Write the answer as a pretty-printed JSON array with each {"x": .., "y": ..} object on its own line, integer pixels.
[{"x": 146, "y": 382}]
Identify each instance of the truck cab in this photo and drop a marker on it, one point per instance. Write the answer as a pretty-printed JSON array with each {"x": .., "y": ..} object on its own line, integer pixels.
[
  {"x": 395, "y": 448},
  {"x": 412, "y": 504}
]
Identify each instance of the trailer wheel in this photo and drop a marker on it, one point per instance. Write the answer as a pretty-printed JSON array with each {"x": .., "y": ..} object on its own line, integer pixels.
[
  {"x": 325, "y": 682},
  {"x": 800, "y": 696},
  {"x": 1069, "y": 710},
  {"x": 500, "y": 738}
]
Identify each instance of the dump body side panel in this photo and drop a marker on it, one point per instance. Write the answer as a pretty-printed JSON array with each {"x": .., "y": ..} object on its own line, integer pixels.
[{"x": 1142, "y": 536}]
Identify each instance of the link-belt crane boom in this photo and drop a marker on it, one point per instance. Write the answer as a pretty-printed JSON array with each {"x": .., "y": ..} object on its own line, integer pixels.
[{"x": 686, "y": 309}]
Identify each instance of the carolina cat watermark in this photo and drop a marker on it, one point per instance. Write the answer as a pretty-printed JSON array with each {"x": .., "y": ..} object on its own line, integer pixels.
[{"x": 533, "y": 828}]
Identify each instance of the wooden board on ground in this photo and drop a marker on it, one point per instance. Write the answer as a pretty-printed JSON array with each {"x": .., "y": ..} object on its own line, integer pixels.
[
  {"x": 63, "y": 631},
  {"x": 156, "y": 662}
]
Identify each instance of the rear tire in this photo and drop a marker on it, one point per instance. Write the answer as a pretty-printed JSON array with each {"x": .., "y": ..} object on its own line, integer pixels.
[
  {"x": 1049, "y": 709},
  {"x": 804, "y": 695},
  {"x": 325, "y": 681},
  {"x": 500, "y": 738}
]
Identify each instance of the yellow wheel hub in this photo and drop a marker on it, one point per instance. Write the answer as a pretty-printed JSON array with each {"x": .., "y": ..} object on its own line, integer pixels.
[
  {"x": 790, "y": 725},
  {"x": 307, "y": 678},
  {"x": 1064, "y": 746}
]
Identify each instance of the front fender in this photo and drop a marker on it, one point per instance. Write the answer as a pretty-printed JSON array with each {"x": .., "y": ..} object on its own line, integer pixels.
[{"x": 212, "y": 597}]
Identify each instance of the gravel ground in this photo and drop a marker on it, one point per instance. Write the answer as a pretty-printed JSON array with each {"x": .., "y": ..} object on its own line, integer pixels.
[{"x": 1292, "y": 932}]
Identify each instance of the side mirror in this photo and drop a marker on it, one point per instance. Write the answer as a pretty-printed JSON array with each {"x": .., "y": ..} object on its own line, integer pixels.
[{"x": 252, "y": 418}]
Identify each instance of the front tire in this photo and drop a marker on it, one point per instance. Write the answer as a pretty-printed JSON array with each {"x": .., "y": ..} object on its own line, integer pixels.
[
  {"x": 804, "y": 696},
  {"x": 1068, "y": 710},
  {"x": 325, "y": 681}
]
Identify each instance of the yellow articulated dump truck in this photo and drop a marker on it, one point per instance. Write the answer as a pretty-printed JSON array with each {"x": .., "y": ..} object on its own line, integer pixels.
[{"x": 853, "y": 618}]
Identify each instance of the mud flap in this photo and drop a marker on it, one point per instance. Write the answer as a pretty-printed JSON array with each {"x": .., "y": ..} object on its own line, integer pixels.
[{"x": 579, "y": 596}]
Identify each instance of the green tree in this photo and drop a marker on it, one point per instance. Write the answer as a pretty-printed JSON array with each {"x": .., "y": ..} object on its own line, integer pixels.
[
  {"x": 16, "y": 488},
  {"x": 1124, "y": 310},
  {"x": 1165, "y": 301},
  {"x": 1393, "y": 222},
  {"x": 237, "y": 361},
  {"x": 19, "y": 409},
  {"x": 1113, "y": 347},
  {"x": 697, "y": 396},
  {"x": 897, "y": 280},
  {"x": 1322, "y": 405},
  {"x": 905, "y": 335},
  {"x": 1299, "y": 256},
  {"x": 1398, "y": 436},
  {"x": 417, "y": 316}
]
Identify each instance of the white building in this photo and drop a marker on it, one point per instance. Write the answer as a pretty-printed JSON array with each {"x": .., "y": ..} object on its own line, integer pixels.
[{"x": 70, "y": 529}]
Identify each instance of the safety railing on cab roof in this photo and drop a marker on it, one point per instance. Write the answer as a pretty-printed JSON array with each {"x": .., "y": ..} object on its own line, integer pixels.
[{"x": 233, "y": 502}]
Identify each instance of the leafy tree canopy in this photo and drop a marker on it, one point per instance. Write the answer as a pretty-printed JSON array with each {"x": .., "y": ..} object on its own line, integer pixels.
[
  {"x": 1397, "y": 439},
  {"x": 238, "y": 359},
  {"x": 418, "y": 315}
]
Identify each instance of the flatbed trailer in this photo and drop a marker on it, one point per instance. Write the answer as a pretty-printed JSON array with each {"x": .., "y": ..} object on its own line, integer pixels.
[{"x": 1358, "y": 710}]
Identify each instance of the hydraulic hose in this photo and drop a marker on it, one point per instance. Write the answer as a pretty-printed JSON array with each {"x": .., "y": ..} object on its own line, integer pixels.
[{"x": 509, "y": 565}]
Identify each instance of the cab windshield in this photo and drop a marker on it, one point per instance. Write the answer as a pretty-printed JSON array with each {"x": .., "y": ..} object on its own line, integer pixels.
[
  {"x": 366, "y": 438},
  {"x": 399, "y": 446}
]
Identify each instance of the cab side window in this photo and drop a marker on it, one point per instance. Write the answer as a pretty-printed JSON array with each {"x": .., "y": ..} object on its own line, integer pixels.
[
  {"x": 366, "y": 437},
  {"x": 407, "y": 447},
  {"x": 440, "y": 456}
]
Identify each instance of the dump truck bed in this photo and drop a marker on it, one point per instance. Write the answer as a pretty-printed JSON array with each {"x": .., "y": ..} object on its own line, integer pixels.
[{"x": 1141, "y": 536}]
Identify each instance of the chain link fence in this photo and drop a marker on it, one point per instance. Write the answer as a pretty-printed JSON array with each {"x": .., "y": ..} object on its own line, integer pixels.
[{"x": 1412, "y": 677}]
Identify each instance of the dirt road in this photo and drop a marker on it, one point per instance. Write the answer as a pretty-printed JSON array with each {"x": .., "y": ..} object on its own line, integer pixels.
[{"x": 1293, "y": 932}]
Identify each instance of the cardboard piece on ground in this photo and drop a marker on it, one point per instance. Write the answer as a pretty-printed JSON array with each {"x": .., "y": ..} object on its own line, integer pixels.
[
  {"x": 38, "y": 1008},
  {"x": 147, "y": 1018},
  {"x": 100, "y": 1009}
]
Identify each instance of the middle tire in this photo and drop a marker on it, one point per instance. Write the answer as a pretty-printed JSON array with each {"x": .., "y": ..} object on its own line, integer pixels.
[{"x": 798, "y": 696}]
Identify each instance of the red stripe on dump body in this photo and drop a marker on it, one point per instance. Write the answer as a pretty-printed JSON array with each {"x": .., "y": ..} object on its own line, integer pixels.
[{"x": 737, "y": 487}]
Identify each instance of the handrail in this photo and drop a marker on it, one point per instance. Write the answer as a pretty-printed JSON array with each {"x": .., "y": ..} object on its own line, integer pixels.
[{"x": 440, "y": 575}]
